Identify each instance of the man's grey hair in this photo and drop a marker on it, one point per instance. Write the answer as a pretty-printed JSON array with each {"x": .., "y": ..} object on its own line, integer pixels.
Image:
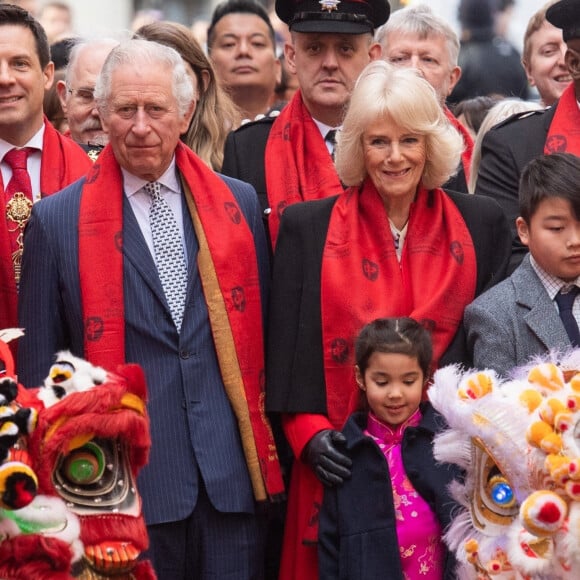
[
  {"x": 420, "y": 20},
  {"x": 88, "y": 44},
  {"x": 142, "y": 54}
]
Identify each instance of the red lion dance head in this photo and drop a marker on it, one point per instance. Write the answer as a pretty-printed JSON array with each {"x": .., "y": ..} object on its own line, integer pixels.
[{"x": 87, "y": 449}]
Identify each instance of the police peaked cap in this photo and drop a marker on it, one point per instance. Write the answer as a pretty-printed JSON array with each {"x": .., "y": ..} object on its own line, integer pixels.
[
  {"x": 565, "y": 15},
  {"x": 335, "y": 16}
]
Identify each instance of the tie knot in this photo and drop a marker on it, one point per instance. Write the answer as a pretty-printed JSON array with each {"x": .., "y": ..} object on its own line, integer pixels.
[
  {"x": 331, "y": 137},
  {"x": 565, "y": 300},
  {"x": 153, "y": 189},
  {"x": 17, "y": 158}
]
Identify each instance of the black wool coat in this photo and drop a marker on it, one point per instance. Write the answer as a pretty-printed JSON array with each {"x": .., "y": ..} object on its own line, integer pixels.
[
  {"x": 357, "y": 536},
  {"x": 294, "y": 372}
]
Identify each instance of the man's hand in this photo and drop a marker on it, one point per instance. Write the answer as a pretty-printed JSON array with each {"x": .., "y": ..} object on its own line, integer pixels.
[{"x": 330, "y": 465}]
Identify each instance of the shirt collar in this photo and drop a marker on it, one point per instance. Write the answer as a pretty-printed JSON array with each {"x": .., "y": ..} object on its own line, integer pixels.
[
  {"x": 551, "y": 283},
  {"x": 35, "y": 142},
  {"x": 132, "y": 184},
  {"x": 324, "y": 129}
]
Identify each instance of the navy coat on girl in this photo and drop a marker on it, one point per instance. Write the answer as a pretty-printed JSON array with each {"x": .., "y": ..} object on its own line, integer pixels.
[{"x": 357, "y": 530}]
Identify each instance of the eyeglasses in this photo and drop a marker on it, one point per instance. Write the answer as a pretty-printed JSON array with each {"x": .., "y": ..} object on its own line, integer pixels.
[{"x": 83, "y": 96}]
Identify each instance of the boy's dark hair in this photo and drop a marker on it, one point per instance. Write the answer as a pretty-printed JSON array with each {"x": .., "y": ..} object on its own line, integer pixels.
[
  {"x": 394, "y": 335},
  {"x": 11, "y": 14},
  {"x": 555, "y": 175},
  {"x": 237, "y": 7}
]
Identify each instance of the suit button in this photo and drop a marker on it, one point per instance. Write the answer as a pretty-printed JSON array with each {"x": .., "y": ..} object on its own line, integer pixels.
[{"x": 185, "y": 354}]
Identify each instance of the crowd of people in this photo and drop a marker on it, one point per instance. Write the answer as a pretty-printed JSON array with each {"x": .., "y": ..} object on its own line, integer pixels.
[{"x": 290, "y": 232}]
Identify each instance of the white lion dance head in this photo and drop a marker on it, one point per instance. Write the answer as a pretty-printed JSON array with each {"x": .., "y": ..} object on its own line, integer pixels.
[{"x": 518, "y": 442}]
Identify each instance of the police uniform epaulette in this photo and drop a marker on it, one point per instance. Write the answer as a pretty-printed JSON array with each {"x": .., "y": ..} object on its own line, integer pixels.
[
  {"x": 262, "y": 120},
  {"x": 518, "y": 116}
]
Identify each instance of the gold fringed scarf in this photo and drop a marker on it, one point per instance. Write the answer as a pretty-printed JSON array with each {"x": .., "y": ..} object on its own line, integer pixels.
[
  {"x": 226, "y": 353},
  {"x": 231, "y": 283}
]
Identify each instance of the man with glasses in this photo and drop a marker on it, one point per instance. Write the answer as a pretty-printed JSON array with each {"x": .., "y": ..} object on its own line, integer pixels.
[
  {"x": 35, "y": 160},
  {"x": 76, "y": 93},
  {"x": 509, "y": 146}
]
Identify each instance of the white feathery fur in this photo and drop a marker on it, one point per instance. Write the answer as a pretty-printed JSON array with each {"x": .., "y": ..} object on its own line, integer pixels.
[{"x": 82, "y": 376}]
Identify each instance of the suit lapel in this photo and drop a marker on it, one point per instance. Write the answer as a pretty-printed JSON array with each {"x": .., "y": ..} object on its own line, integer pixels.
[
  {"x": 137, "y": 252},
  {"x": 192, "y": 248},
  {"x": 542, "y": 318}
]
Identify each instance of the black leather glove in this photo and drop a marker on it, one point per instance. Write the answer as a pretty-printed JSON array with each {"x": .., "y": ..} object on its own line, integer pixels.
[{"x": 330, "y": 465}]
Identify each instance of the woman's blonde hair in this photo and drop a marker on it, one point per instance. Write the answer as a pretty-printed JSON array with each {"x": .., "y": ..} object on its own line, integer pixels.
[
  {"x": 401, "y": 94},
  {"x": 215, "y": 113}
]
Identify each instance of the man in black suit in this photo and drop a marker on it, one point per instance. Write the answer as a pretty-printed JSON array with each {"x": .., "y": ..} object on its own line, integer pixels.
[
  {"x": 508, "y": 147},
  {"x": 331, "y": 43}
]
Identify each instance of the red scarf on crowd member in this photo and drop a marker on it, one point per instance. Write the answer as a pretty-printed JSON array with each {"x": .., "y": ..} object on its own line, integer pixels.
[
  {"x": 564, "y": 132},
  {"x": 467, "y": 139},
  {"x": 363, "y": 280},
  {"x": 101, "y": 281},
  {"x": 63, "y": 162},
  {"x": 298, "y": 165}
]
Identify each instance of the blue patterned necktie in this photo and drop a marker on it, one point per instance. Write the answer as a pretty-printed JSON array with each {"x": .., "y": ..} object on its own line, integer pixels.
[
  {"x": 565, "y": 303},
  {"x": 169, "y": 254}
]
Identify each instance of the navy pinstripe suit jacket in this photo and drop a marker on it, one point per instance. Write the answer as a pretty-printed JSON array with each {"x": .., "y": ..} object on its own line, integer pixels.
[{"x": 193, "y": 428}]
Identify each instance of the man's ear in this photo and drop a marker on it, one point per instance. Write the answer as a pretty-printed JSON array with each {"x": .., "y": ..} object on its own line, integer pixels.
[
  {"x": 48, "y": 74},
  {"x": 186, "y": 119},
  {"x": 289, "y": 54},
  {"x": 375, "y": 51},
  {"x": 454, "y": 77},
  {"x": 61, "y": 92},
  {"x": 523, "y": 230},
  {"x": 527, "y": 68}
]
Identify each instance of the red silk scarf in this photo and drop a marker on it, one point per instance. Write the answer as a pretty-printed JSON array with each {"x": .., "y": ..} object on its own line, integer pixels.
[
  {"x": 100, "y": 250},
  {"x": 298, "y": 166},
  {"x": 564, "y": 132},
  {"x": 63, "y": 162},
  {"x": 363, "y": 280},
  {"x": 467, "y": 139}
]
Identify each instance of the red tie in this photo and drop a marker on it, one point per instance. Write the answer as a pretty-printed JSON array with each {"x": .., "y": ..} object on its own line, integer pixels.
[{"x": 18, "y": 200}]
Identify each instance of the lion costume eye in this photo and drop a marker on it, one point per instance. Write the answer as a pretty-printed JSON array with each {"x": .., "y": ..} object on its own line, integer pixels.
[
  {"x": 500, "y": 491},
  {"x": 494, "y": 504},
  {"x": 85, "y": 465},
  {"x": 97, "y": 477}
]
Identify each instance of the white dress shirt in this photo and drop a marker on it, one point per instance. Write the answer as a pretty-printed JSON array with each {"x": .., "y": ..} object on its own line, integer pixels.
[
  {"x": 32, "y": 165},
  {"x": 140, "y": 201}
]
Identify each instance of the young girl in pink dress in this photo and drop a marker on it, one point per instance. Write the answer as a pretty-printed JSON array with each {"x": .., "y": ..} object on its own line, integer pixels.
[{"x": 386, "y": 521}]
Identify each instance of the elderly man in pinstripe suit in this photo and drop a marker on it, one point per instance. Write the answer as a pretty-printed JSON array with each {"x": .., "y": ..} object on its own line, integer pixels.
[{"x": 152, "y": 258}]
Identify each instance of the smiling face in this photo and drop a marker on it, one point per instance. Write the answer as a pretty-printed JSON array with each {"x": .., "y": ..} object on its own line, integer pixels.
[
  {"x": 22, "y": 85},
  {"x": 394, "y": 160},
  {"x": 553, "y": 238},
  {"x": 545, "y": 65},
  {"x": 143, "y": 120},
  {"x": 429, "y": 55},
  {"x": 393, "y": 384},
  {"x": 327, "y": 66}
]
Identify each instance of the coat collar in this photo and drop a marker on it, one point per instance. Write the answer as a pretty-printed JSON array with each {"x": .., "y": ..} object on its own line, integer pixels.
[
  {"x": 541, "y": 318},
  {"x": 432, "y": 422}
]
